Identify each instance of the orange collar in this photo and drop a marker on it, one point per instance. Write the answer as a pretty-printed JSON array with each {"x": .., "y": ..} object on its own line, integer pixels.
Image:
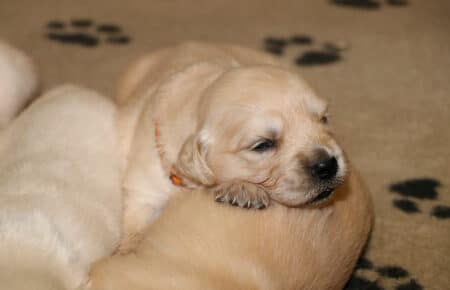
[{"x": 174, "y": 178}]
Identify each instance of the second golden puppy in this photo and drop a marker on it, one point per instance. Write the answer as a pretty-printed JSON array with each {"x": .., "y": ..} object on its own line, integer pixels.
[
  {"x": 228, "y": 120},
  {"x": 198, "y": 244}
]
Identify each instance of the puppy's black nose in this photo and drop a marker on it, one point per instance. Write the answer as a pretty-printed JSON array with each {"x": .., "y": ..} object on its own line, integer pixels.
[{"x": 325, "y": 169}]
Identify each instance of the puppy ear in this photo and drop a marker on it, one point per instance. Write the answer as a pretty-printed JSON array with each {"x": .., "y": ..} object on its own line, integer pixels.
[{"x": 191, "y": 164}]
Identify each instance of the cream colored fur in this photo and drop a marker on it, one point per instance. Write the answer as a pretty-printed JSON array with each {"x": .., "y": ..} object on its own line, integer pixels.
[
  {"x": 199, "y": 244},
  {"x": 60, "y": 203},
  {"x": 196, "y": 110},
  {"x": 18, "y": 82}
]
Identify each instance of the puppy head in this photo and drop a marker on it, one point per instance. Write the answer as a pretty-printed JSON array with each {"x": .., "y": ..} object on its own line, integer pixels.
[{"x": 264, "y": 126}]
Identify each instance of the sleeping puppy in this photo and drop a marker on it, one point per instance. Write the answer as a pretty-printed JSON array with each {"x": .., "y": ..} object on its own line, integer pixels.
[
  {"x": 227, "y": 120},
  {"x": 199, "y": 244}
]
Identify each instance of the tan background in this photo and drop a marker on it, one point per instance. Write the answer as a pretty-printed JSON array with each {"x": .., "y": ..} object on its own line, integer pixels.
[{"x": 389, "y": 94}]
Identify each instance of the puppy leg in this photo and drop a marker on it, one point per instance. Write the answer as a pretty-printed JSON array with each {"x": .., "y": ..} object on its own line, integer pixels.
[{"x": 242, "y": 194}]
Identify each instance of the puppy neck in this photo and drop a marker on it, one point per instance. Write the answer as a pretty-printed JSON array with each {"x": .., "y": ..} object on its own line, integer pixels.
[{"x": 168, "y": 168}]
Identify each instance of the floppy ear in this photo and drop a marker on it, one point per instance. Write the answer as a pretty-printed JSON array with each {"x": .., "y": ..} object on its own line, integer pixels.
[{"x": 191, "y": 166}]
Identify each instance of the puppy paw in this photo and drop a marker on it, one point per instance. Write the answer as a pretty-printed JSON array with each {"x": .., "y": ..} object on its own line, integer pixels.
[{"x": 244, "y": 195}]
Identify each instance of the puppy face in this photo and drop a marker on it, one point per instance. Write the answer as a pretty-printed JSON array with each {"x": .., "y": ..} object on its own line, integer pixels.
[{"x": 265, "y": 126}]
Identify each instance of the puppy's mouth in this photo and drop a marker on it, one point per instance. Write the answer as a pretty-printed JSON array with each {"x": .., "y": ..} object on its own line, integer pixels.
[{"x": 322, "y": 196}]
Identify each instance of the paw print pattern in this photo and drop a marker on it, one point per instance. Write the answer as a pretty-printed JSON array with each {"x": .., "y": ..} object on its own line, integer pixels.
[
  {"x": 327, "y": 53},
  {"x": 414, "y": 190},
  {"x": 368, "y": 4},
  {"x": 441, "y": 211},
  {"x": 85, "y": 33},
  {"x": 358, "y": 281}
]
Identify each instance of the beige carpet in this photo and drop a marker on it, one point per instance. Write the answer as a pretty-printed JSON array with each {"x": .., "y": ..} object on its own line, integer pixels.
[{"x": 384, "y": 65}]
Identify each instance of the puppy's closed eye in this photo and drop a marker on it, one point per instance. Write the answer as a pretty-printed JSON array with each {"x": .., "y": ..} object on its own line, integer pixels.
[{"x": 264, "y": 145}]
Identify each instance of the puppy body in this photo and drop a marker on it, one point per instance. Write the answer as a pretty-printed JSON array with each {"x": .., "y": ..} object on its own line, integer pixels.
[
  {"x": 60, "y": 201},
  {"x": 198, "y": 244},
  {"x": 225, "y": 118}
]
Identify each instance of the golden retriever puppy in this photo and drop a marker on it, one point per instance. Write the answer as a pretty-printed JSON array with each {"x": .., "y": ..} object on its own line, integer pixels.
[
  {"x": 18, "y": 82},
  {"x": 60, "y": 198},
  {"x": 225, "y": 119},
  {"x": 199, "y": 244}
]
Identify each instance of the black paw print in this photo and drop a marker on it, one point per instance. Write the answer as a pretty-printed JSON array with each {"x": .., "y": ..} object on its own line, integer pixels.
[
  {"x": 368, "y": 4},
  {"x": 418, "y": 189},
  {"x": 358, "y": 281},
  {"x": 85, "y": 33},
  {"x": 327, "y": 53}
]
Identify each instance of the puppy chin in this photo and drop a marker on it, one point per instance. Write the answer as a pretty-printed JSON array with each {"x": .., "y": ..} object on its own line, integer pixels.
[{"x": 318, "y": 195}]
